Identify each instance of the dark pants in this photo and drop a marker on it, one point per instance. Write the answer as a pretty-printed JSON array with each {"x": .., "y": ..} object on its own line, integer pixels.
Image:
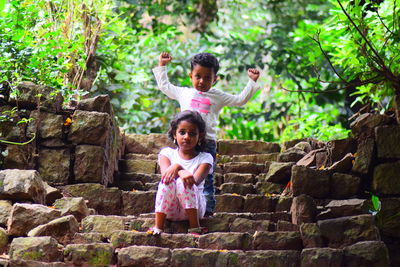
[{"x": 209, "y": 190}]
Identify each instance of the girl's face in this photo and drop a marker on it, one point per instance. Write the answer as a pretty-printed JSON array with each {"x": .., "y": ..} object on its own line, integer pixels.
[{"x": 187, "y": 135}]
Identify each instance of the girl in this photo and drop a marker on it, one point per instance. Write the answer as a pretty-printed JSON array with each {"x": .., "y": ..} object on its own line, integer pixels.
[{"x": 180, "y": 192}]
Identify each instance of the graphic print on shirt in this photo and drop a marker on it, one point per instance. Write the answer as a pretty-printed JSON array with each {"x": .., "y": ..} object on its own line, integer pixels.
[{"x": 200, "y": 103}]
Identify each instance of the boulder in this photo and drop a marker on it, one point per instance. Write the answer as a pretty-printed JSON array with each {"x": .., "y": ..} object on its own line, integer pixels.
[
  {"x": 243, "y": 167},
  {"x": 146, "y": 166},
  {"x": 52, "y": 194},
  {"x": 91, "y": 128},
  {"x": 340, "y": 148},
  {"x": 88, "y": 238},
  {"x": 46, "y": 125},
  {"x": 286, "y": 258},
  {"x": 95, "y": 254},
  {"x": 10, "y": 130},
  {"x": 236, "y": 188},
  {"x": 344, "y": 185},
  {"x": 347, "y": 207},
  {"x": 344, "y": 231},
  {"x": 22, "y": 185},
  {"x": 25, "y": 217},
  {"x": 303, "y": 210},
  {"x": 279, "y": 172},
  {"x": 243, "y": 178},
  {"x": 257, "y": 203},
  {"x": 291, "y": 155},
  {"x": 54, "y": 165},
  {"x": 138, "y": 202},
  {"x": 277, "y": 241},
  {"x": 230, "y": 241},
  {"x": 3, "y": 240},
  {"x": 105, "y": 225},
  {"x": 365, "y": 156},
  {"x": 19, "y": 157},
  {"x": 100, "y": 103},
  {"x": 269, "y": 188},
  {"x": 311, "y": 235},
  {"x": 229, "y": 203},
  {"x": 108, "y": 204},
  {"x": 250, "y": 226},
  {"x": 366, "y": 123},
  {"x": 311, "y": 182},
  {"x": 317, "y": 257},
  {"x": 343, "y": 165},
  {"x": 43, "y": 248},
  {"x": 62, "y": 229},
  {"x": 144, "y": 256},
  {"x": 284, "y": 203},
  {"x": 187, "y": 257},
  {"x": 5, "y": 211},
  {"x": 367, "y": 253},
  {"x": 389, "y": 216},
  {"x": 146, "y": 143},
  {"x": 244, "y": 147},
  {"x": 386, "y": 178},
  {"x": 89, "y": 164},
  {"x": 387, "y": 141},
  {"x": 75, "y": 206}
]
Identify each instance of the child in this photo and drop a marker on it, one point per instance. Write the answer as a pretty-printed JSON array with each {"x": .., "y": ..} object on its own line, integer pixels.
[
  {"x": 204, "y": 99},
  {"x": 180, "y": 192}
]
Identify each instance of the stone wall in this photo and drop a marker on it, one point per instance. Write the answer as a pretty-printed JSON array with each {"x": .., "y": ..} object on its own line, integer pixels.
[{"x": 79, "y": 144}]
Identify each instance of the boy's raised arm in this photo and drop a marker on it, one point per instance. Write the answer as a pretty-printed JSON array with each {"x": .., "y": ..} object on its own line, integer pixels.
[{"x": 164, "y": 59}]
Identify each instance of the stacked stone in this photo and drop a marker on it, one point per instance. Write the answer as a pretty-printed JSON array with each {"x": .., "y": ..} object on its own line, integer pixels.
[{"x": 78, "y": 144}]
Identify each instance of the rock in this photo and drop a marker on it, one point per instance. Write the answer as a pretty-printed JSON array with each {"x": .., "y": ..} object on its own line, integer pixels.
[
  {"x": 243, "y": 178},
  {"x": 140, "y": 177},
  {"x": 340, "y": 148},
  {"x": 229, "y": 203},
  {"x": 228, "y": 241},
  {"x": 144, "y": 256},
  {"x": 28, "y": 97},
  {"x": 303, "y": 209},
  {"x": 243, "y": 167},
  {"x": 9, "y": 129},
  {"x": 91, "y": 128},
  {"x": 22, "y": 185},
  {"x": 46, "y": 125},
  {"x": 345, "y": 231},
  {"x": 257, "y": 203},
  {"x": 315, "y": 158},
  {"x": 138, "y": 202},
  {"x": 62, "y": 229},
  {"x": 27, "y": 263},
  {"x": 284, "y": 203},
  {"x": 281, "y": 258},
  {"x": 54, "y": 165},
  {"x": 108, "y": 204},
  {"x": 344, "y": 185},
  {"x": 250, "y": 226},
  {"x": 88, "y": 238},
  {"x": 291, "y": 155},
  {"x": 367, "y": 253},
  {"x": 52, "y": 194},
  {"x": 387, "y": 141},
  {"x": 187, "y": 257},
  {"x": 365, "y": 156},
  {"x": 75, "y": 206},
  {"x": 277, "y": 241},
  {"x": 43, "y": 248},
  {"x": 5, "y": 210},
  {"x": 121, "y": 239},
  {"x": 291, "y": 143},
  {"x": 105, "y": 225},
  {"x": 53, "y": 143},
  {"x": 311, "y": 182},
  {"x": 146, "y": 143},
  {"x": 317, "y": 257},
  {"x": 3, "y": 240},
  {"x": 269, "y": 188},
  {"x": 304, "y": 146},
  {"x": 25, "y": 217},
  {"x": 386, "y": 178},
  {"x": 343, "y": 165},
  {"x": 89, "y": 164},
  {"x": 19, "y": 157},
  {"x": 279, "y": 172},
  {"x": 311, "y": 235},
  {"x": 389, "y": 215},
  {"x": 366, "y": 123},
  {"x": 234, "y": 188},
  {"x": 138, "y": 166},
  {"x": 214, "y": 224},
  {"x": 244, "y": 147},
  {"x": 255, "y": 158},
  {"x": 342, "y": 208},
  {"x": 284, "y": 226},
  {"x": 95, "y": 254},
  {"x": 100, "y": 103}
]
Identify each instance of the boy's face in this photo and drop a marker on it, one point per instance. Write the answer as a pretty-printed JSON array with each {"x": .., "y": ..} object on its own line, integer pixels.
[{"x": 202, "y": 78}]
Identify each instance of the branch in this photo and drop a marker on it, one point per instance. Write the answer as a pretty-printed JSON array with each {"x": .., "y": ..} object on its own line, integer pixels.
[
  {"x": 384, "y": 25},
  {"x": 20, "y": 144}
]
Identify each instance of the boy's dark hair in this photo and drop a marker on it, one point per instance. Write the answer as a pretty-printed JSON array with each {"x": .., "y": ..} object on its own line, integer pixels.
[
  {"x": 206, "y": 60},
  {"x": 192, "y": 117}
]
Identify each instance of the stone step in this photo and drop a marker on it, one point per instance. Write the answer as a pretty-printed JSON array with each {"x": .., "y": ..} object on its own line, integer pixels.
[
  {"x": 256, "y": 158},
  {"x": 250, "y": 203},
  {"x": 261, "y": 240}
]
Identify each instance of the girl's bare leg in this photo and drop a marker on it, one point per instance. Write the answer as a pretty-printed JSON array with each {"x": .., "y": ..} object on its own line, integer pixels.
[
  {"x": 192, "y": 217},
  {"x": 160, "y": 220}
]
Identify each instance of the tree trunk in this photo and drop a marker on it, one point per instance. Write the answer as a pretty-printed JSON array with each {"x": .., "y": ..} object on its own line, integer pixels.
[{"x": 397, "y": 107}]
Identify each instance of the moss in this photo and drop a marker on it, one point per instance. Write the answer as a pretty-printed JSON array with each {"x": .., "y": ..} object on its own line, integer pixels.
[
  {"x": 102, "y": 258},
  {"x": 233, "y": 259},
  {"x": 32, "y": 255}
]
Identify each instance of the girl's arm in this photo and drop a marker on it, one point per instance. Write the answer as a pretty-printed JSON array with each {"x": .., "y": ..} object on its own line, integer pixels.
[
  {"x": 196, "y": 178},
  {"x": 168, "y": 172}
]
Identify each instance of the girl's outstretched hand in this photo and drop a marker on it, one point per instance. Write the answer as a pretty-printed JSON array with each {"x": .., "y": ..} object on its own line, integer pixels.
[
  {"x": 164, "y": 59},
  {"x": 253, "y": 74}
]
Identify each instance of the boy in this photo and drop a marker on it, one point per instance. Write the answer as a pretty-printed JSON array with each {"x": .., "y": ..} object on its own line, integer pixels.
[{"x": 205, "y": 100}]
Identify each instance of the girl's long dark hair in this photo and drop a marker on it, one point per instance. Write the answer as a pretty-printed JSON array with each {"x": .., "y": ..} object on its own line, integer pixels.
[{"x": 192, "y": 117}]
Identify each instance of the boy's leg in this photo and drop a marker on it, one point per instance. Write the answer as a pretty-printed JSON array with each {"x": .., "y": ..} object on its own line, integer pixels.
[{"x": 209, "y": 190}]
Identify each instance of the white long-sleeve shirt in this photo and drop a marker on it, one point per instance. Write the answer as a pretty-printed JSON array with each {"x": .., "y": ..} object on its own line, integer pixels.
[{"x": 208, "y": 104}]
